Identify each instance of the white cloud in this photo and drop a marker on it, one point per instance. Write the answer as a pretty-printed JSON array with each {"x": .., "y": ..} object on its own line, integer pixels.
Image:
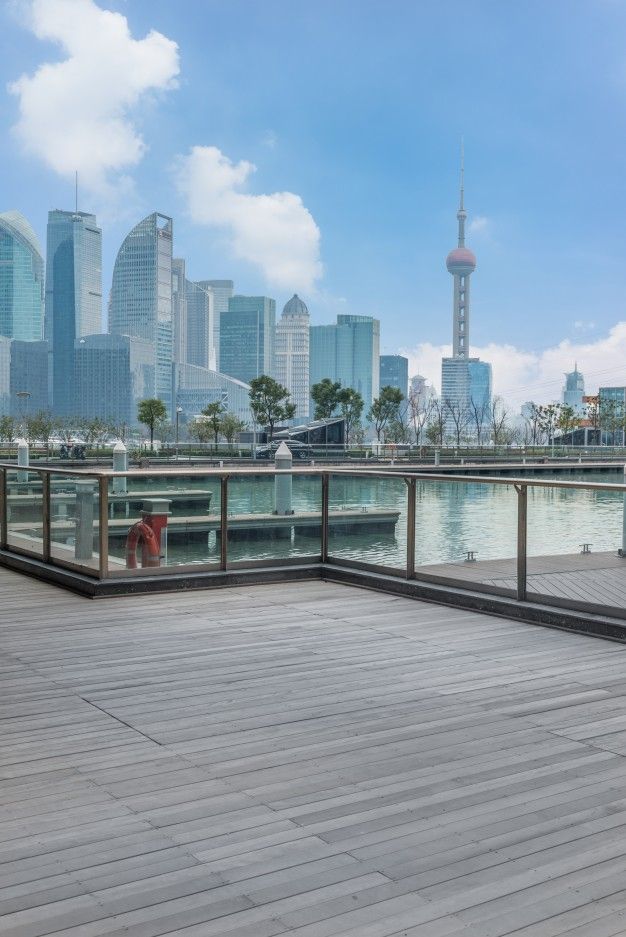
[
  {"x": 77, "y": 114},
  {"x": 525, "y": 375},
  {"x": 275, "y": 232},
  {"x": 269, "y": 139},
  {"x": 479, "y": 224}
]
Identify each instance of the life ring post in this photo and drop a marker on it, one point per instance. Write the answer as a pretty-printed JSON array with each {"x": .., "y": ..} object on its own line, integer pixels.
[{"x": 151, "y": 532}]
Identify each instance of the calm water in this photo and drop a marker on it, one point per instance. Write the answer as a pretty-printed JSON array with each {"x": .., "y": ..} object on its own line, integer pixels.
[{"x": 451, "y": 519}]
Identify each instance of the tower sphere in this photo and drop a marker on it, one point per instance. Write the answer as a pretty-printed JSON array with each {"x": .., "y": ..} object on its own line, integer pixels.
[{"x": 461, "y": 261}]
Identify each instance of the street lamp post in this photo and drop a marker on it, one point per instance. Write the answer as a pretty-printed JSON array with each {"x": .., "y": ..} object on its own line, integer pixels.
[
  {"x": 179, "y": 410},
  {"x": 23, "y": 397}
]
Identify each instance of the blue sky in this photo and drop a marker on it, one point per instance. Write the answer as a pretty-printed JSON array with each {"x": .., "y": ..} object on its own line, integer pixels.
[{"x": 356, "y": 107}]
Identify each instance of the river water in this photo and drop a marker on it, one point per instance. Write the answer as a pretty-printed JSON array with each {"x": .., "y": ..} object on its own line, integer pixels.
[{"x": 451, "y": 519}]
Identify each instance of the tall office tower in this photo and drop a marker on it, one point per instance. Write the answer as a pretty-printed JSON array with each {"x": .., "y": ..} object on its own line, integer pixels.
[
  {"x": 200, "y": 326},
  {"x": 574, "y": 391},
  {"x": 73, "y": 296},
  {"x": 291, "y": 354},
  {"x": 21, "y": 279},
  {"x": 222, "y": 292},
  {"x": 347, "y": 352},
  {"x": 465, "y": 381},
  {"x": 5, "y": 374},
  {"x": 394, "y": 372},
  {"x": 247, "y": 337},
  {"x": 141, "y": 295},
  {"x": 112, "y": 374},
  {"x": 179, "y": 310},
  {"x": 29, "y": 378}
]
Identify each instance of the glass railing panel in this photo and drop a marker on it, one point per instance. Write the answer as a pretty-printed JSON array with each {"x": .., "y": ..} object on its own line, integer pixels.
[
  {"x": 367, "y": 520},
  {"x": 182, "y": 511},
  {"x": 574, "y": 536},
  {"x": 467, "y": 532},
  {"x": 274, "y": 517},
  {"x": 74, "y": 521},
  {"x": 24, "y": 494}
]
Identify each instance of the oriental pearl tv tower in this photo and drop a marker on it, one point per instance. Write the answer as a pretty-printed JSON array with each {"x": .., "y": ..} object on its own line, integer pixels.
[
  {"x": 461, "y": 263},
  {"x": 465, "y": 381}
]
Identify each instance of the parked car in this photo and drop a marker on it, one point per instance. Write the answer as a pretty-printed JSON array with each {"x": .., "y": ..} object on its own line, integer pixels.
[{"x": 299, "y": 450}]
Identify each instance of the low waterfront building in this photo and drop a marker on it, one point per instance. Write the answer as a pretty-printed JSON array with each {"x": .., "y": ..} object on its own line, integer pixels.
[{"x": 196, "y": 387}]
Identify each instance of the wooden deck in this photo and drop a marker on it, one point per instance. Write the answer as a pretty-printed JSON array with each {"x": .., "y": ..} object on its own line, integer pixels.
[
  {"x": 310, "y": 759},
  {"x": 598, "y": 578}
]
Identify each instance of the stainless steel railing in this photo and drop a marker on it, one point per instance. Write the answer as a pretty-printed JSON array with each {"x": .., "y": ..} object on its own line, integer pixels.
[{"x": 105, "y": 568}]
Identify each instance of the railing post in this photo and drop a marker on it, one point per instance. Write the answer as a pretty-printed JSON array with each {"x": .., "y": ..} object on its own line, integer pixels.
[
  {"x": 45, "y": 512},
  {"x": 522, "y": 529},
  {"x": 224, "y": 522},
  {"x": 324, "y": 543},
  {"x": 410, "y": 528},
  {"x": 4, "y": 509},
  {"x": 103, "y": 526}
]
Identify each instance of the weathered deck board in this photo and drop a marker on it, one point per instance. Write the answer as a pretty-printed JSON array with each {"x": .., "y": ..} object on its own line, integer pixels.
[{"x": 308, "y": 759}]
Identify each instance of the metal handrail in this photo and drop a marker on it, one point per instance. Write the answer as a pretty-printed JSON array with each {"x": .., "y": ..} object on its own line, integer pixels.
[{"x": 325, "y": 473}]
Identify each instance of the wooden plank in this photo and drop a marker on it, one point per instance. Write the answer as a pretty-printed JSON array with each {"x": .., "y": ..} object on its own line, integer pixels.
[{"x": 314, "y": 759}]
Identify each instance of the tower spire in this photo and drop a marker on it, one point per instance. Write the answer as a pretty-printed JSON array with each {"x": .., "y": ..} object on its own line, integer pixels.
[{"x": 462, "y": 214}]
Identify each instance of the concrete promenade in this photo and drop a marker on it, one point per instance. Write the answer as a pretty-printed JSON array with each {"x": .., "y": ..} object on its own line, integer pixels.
[{"x": 307, "y": 759}]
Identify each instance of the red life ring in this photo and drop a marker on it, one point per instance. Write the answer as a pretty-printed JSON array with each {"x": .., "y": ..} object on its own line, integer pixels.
[{"x": 150, "y": 553}]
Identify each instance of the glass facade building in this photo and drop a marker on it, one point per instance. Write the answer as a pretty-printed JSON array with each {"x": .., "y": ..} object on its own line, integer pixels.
[
  {"x": 29, "y": 375},
  {"x": 394, "y": 372},
  {"x": 141, "y": 296},
  {"x": 5, "y": 375},
  {"x": 465, "y": 387},
  {"x": 222, "y": 292},
  {"x": 73, "y": 304},
  {"x": 291, "y": 354},
  {"x": 200, "y": 326},
  {"x": 247, "y": 337},
  {"x": 22, "y": 282},
  {"x": 196, "y": 387},
  {"x": 179, "y": 310},
  {"x": 112, "y": 374},
  {"x": 574, "y": 391},
  {"x": 347, "y": 352}
]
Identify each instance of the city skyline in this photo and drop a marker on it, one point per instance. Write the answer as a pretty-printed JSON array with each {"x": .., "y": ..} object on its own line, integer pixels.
[{"x": 373, "y": 219}]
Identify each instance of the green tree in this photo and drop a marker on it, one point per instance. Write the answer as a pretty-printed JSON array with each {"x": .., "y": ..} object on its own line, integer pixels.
[
  {"x": 351, "y": 407},
  {"x": 214, "y": 414},
  {"x": 325, "y": 396},
  {"x": 8, "y": 429},
  {"x": 40, "y": 426},
  {"x": 568, "y": 420},
  {"x": 269, "y": 402},
  {"x": 549, "y": 419},
  {"x": 200, "y": 430},
  {"x": 385, "y": 409},
  {"x": 151, "y": 412},
  {"x": 231, "y": 427}
]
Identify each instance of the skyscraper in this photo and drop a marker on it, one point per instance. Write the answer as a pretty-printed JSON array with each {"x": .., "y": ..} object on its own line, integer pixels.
[
  {"x": 347, "y": 352},
  {"x": 21, "y": 279},
  {"x": 465, "y": 381},
  {"x": 29, "y": 377},
  {"x": 141, "y": 295},
  {"x": 247, "y": 337},
  {"x": 112, "y": 374},
  {"x": 394, "y": 372},
  {"x": 574, "y": 391},
  {"x": 73, "y": 296},
  {"x": 291, "y": 354},
  {"x": 179, "y": 311},
  {"x": 200, "y": 326},
  {"x": 222, "y": 292}
]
